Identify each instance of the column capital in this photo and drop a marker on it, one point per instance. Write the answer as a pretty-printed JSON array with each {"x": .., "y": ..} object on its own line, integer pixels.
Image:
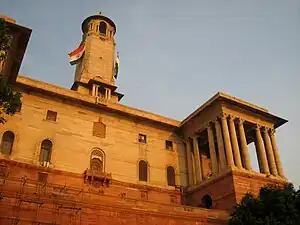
[
  {"x": 223, "y": 115},
  {"x": 216, "y": 120},
  {"x": 209, "y": 124},
  {"x": 194, "y": 136},
  {"x": 240, "y": 120},
  {"x": 272, "y": 131},
  {"x": 257, "y": 126},
  {"x": 231, "y": 117},
  {"x": 265, "y": 129}
]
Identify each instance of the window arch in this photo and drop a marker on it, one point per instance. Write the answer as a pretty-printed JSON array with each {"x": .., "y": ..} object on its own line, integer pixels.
[
  {"x": 103, "y": 28},
  {"x": 97, "y": 160},
  {"x": 207, "y": 201},
  {"x": 7, "y": 142},
  {"x": 171, "y": 176},
  {"x": 143, "y": 171},
  {"x": 46, "y": 150}
]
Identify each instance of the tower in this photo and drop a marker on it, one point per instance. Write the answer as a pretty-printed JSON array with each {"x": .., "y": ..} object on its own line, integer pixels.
[{"x": 94, "y": 73}]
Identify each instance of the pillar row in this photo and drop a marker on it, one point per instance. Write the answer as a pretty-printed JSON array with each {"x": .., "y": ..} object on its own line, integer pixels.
[
  {"x": 234, "y": 142},
  {"x": 197, "y": 161},
  {"x": 222, "y": 158},
  {"x": 212, "y": 150},
  {"x": 244, "y": 146},
  {"x": 269, "y": 152},
  {"x": 276, "y": 153},
  {"x": 189, "y": 162},
  {"x": 261, "y": 151},
  {"x": 227, "y": 142}
]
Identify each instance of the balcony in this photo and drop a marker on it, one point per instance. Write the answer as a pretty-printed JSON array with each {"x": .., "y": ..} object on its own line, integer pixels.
[
  {"x": 101, "y": 100},
  {"x": 97, "y": 178}
]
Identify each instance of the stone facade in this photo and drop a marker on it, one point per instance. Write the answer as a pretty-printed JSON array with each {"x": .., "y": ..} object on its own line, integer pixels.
[{"x": 80, "y": 157}]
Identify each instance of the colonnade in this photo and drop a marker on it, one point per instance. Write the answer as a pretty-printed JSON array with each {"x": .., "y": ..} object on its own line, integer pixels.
[{"x": 230, "y": 150}]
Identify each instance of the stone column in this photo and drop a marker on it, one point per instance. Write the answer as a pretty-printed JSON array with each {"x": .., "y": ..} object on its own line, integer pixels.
[
  {"x": 93, "y": 91},
  {"x": 235, "y": 145},
  {"x": 193, "y": 167},
  {"x": 189, "y": 162},
  {"x": 212, "y": 150},
  {"x": 222, "y": 158},
  {"x": 276, "y": 153},
  {"x": 261, "y": 151},
  {"x": 197, "y": 161},
  {"x": 244, "y": 146},
  {"x": 269, "y": 151},
  {"x": 227, "y": 143}
]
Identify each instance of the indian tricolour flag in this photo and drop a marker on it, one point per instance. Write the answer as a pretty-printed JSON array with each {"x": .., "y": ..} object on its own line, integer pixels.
[
  {"x": 76, "y": 54},
  {"x": 117, "y": 65}
]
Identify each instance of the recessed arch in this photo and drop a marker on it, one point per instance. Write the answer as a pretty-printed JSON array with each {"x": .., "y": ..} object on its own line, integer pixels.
[
  {"x": 7, "y": 142},
  {"x": 171, "y": 177},
  {"x": 97, "y": 160},
  {"x": 207, "y": 201},
  {"x": 143, "y": 170},
  {"x": 102, "y": 28},
  {"x": 46, "y": 150}
]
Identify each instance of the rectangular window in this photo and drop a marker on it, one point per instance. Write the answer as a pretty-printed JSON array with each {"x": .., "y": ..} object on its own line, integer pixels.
[
  {"x": 42, "y": 177},
  {"x": 51, "y": 115},
  {"x": 142, "y": 138},
  {"x": 169, "y": 145}
]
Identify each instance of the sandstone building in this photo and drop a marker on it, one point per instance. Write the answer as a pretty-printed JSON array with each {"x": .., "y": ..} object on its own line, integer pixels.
[{"x": 79, "y": 156}]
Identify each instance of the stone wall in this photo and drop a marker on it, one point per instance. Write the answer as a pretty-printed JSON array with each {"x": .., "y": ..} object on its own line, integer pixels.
[
  {"x": 227, "y": 189},
  {"x": 73, "y": 140},
  {"x": 67, "y": 199}
]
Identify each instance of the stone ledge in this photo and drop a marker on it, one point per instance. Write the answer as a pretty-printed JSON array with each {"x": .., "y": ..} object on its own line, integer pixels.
[{"x": 61, "y": 92}]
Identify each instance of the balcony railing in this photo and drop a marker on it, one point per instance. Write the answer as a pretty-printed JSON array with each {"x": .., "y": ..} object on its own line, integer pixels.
[
  {"x": 92, "y": 176},
  {"x": 101, "y": 100}
]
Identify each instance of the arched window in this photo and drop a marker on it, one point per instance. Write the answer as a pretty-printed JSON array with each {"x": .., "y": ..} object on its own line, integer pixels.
[
  {"x": 102, "y": 28},
  {"x": 143, "y": 171},
  {"x": 207, "y": 201},
  {"x": 97, "y": 160},
  {"x": 7, "y": 142},
  {"x": 46, "y": 150},
  {"x": 171, "y": 176}
]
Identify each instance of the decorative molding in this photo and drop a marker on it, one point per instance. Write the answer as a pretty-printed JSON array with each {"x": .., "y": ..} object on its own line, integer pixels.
[
  {"x": 272, "y": 131},
  {"x": 240, "y": 120},
  {"x": 265, "y": 130},
  {"x": 231, "y": 117},
  {"x": 224, "y": 115},
  {"x": 258, "y": 126}
]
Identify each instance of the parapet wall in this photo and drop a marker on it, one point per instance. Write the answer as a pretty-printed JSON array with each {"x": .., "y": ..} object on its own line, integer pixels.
[
  {"x": 24, "y": 200},
  {"x": 227, "y": 189}
]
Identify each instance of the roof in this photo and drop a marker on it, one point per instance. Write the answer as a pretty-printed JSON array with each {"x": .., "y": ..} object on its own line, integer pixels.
[
  {"x": 98, "y": 16},
  {"x": 127, "y": 110},
  {"x": 220, "y": 96},
  {"x": 65, "y": 93}
]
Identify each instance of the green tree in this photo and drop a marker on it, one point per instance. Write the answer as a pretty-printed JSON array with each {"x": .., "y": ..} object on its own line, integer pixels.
[
  {"x": 273, "y": 206},
  {"x": 10, "y": 102}
]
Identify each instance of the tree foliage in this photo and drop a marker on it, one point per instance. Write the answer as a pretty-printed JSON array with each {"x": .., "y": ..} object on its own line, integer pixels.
[
  {"x": 273, "y": 206},
  {"x": 10, "y": 102},
  {"x": 4, "y": 39}
]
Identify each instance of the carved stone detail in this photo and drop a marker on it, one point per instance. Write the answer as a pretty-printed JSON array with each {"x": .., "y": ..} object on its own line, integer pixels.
[
  {"x": 173, "y": 199},
  {"x": 144, "y": 194}
]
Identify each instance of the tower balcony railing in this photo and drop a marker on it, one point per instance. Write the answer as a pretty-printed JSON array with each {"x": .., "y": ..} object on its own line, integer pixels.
[{"x": 101, "y": 100}]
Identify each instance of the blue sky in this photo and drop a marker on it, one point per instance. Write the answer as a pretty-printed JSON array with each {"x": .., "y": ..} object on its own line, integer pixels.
[{"x": 177, "y": 54}]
